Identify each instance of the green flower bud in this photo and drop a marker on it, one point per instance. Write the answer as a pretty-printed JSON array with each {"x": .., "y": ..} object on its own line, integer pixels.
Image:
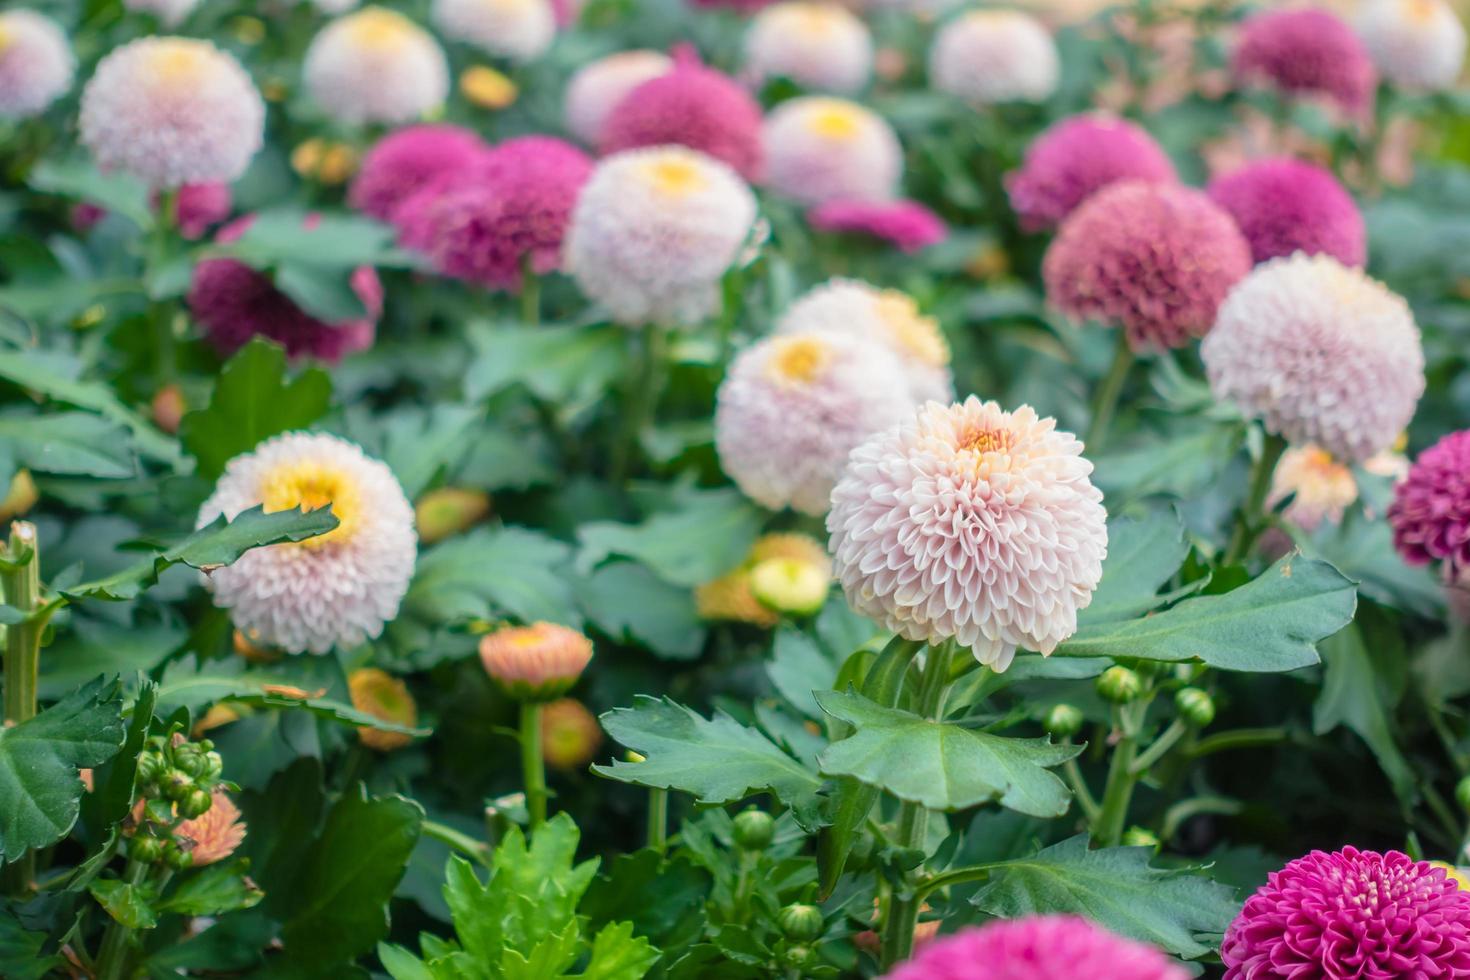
[
  {"x": 191, "y": 762},
  {"x": 1462, "y": 794},
  {"x": 176, "y": 784},
  {"x": 151, "y": 765},
  {"x": 799, "y": 955},
  {"x": 214, "y": 767},
  {"x": 754, "y": 829},
  {"x": 196, "y": 804},
  {"x": 176, "y": 857},
  {"x": 801, "y": 923},
  {"x": 1140, "y": 837},
  {"x": 790, "y": 585},
  {"x": 1119, "y": 685},
  {"x": 1195, "y": 706},
  {"x": 1063, "y": 721},
  {"x": 145, "y": 848}
]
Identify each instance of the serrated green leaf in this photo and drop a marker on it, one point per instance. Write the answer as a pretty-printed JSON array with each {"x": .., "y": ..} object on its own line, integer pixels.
[
  {"x": 799, "y": 667},
  {"x": 214, "y": 890},
  {"x": 567, "y": 366},
  {"x": 129, "y": 904},
  {"x": 617, "y": 954},
  {"x": 494, "y": 572},
  {"x": 704, "y": 539}
]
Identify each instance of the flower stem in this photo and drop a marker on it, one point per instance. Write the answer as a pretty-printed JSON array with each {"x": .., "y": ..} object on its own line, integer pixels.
[
  {"x": 658, "y": 819},
  {"x": 1248, "y": 525},
  {"x": 530, "y": 293},
  {"x": 478, "y": 850},
  {"x": 1160, "y": 748},
  {"x": 20, "y": 587},
  {"x": 533, "y": 767},
  {"x": 116, "y": 951},
  {"x": 1105, "y": 399},
  {"x": 641, "y": 399},
  {"x": 1107, "y": 829}
]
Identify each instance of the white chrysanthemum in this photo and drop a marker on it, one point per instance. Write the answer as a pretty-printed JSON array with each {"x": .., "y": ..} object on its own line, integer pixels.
[
  {"x": 520, "y": 30},
  {"x": 794, "y": 406},
  {"x": 654, "y": 231},
  {"x": 36, "y": 63},
  {"x": 172, "y": 111},
  {"x": 170, "y": 13},
  {"x": 335, "y": 589},
  {"x": 990, "y": 56},
  {"x": 1416, "y": 44},
  {"x": 1319, "y": 352},
  {"x": 817, "y": 45},
  {"x": 821, "y": 149},
  {"x": 886, "y": 317},
  {"x": 600, "y": 85},
  {"x": 376, "y": 65},
  {"x": 971, "y": 523}
]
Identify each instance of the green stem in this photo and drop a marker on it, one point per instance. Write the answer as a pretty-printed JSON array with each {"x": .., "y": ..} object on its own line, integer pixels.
[
  {"x": 1107, "y": 830},
  {"x": 1160, "y": 748},
  {"x": 116, "y": 951},
  {"x": 744, "y": 885},
  {"x": 1238, "y": 738},
  {"x": 1105, "y": 399},
  {"x": 959, "y": 876},
  {"x": 530, "y": 293},
  {"x": 1248, "y": 525},
  {"x": 533, "y": 767},
  {"x": 658, "y": 819},
  {"x": 1177, "y": 814},
  {"x": 641, "y": 398},
  {"x": 463, "y": 842},
  {"x": 1085, "y": 800},
  {"x": 20, "y": 586}
]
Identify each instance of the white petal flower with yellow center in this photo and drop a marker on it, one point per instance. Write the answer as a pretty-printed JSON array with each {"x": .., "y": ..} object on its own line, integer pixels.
[
  {"x": 821, "y": 149},
  {"x": 1417, "y": 44},
  {"x": 520, "y": 30},
  {"x": 36, "y": 63},
  {"x": 991, "y": 56},
  {"x": 337, "y": 589},
  {"x": 376, "y": 66},
  {"x": 821, "y": 46}
]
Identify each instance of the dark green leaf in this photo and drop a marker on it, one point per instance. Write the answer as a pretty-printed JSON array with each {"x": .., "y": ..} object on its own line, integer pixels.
[
  {"x": 1355, "y": 695},
  {"x": 214, "y": 890},
  {"x": 708, "y": 536},
  {"x": 630, "y": 604},
  {"x": 20, "y": 951},
  {"x": 131, "y": 905},
  {"x": 1142, "y": 556},
  {"x": 491, "y": 572}
]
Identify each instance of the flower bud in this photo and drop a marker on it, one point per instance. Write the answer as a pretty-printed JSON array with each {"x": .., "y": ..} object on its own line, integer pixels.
[
  {"x": 1063, "y": 721},
  {"x": 379, "y": 694},
  {"x": 445, "y": 512},
  {"x": 790, "y": 585},
  {"x": 1195, "y": 706},
  {"x": 168, "y": 408},
  {"x": 21, "y": 497},
  {"x": 151, "y": 766},
  {"x": 196, "y": 804},
  {"x": 487, "y": 88},
  {"x": 754, "y": 829},
  {"x": 176, "y": 857},
  {"x": 1119, "y": 685},
  {"x": 799, "y": 955},
  {"x": 1462, "y": 794},
  {"x": 189, "y": 759},
  {"x": 176, "y": 784},
  {"x": 570, "y": 735},
  {"x": 146, "y": 849},
  {"x": 801, "y": 923},
  {"x": 1140, "y": 837},
  {"x": 540, "y": 662}
]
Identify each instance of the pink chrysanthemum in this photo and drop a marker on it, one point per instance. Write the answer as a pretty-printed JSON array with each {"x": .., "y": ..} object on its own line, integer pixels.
[
  {"x": 36, "y": 63},
  {"x": 1320, "y": 353},
  {"x": 1156, "y": 259},
  {"x": 970, "y": 523},
  {"x": 691, "y": 106},
  {"x": 199, "y": 207},
  {"x": 1285, "y": 206},
  {"x": 1430, "y": 512},
  {"x": 907, "y": 225},
  {"x": 1309, "y": 52},
  {"x": 1040, "y": 947},
  {"x": 820, "y": 149},
  {"x": 234, "y": 303},
  {"x": 216, "y": 834},
  {"x": 519, "y": 30},
  {"x": 539, "y": 662},
  {"x": 406, "y": 160},
  {"x": 597, "y": 88},
  {"x": 1352, "y": 913},
  {"x": 1078, "y": 157},
  {"x": 793, "y": 406}
]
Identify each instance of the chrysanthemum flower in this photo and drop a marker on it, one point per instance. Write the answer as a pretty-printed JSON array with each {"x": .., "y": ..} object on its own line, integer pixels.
[
  {"x": 1430, "y": 512},
  {"x": 907, "y": 225},
  {"x": 216, "y": 833},
  {"x": 170, "y": 13},
  {"x": 1078, "y": 157},
  {"x": 234, "y": 303},
  {"x": 540, "y": 662},
  {"x": 376, "y": 66},
  {"x": 1457, "y": 875},
  {"x": 1155, "y": 259},
  {"x": 970, "y": 523},
  {"x": 731, "y": 596},
  {"x": 338, "y": 588},
  {"x": 409, "y": 159},
  {"x": 991, "y": 56},
  {"x": 488, "y": 88},
  {"x": 818, "y": 45},
  {"x": 36, "y": 63},
  {"x": 1038, "y": 947},
  {"x": 886, "y": 317},
  {"x": 691, "y": 106},
  {"x": 199, "y": 207},
  {"x": 794, "y": 406},
  {"x": 655, "y": 230},
  {"x": 1284, "y": 206},
  {"x": 570, "y": 734},
  {"x": 172, "y": 111},
  {"x": 1319, "y": 352},
  {"x": 378, "y": 693},
  {"x": 1355, "y": 914},
  {"x": 1305, "y": 52},
  {"x": 598, "y": 86},
  {"x": 1417, "y": 44},
  {"x": 821, "y": 149},
  {"x": 520, "y": 30},
  {"x": 1321, "y": 488}
]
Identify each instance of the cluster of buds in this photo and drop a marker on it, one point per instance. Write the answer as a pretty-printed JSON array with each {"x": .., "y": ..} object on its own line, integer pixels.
[{"x": 177, "y": 784}]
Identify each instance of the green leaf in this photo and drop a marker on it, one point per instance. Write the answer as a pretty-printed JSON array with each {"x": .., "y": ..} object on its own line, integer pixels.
[
  {"x": 286, "y": 236},
  {"x": 80, "y": 180},
  {"x": 214, "y": 890},
  {"x": 40, "y": 790},
  {"x": 799, "y": 667},
  {"x": 418, "y": 445},
  {"x": 1354, "y": 694},
  {"x": 114, "y": 784},
  {"x": 324, "y": 292},
  {"x": 657, "y": 894},
  {"x": 403, "y": 965},
  {"x": 252, "y": 401},
  {"x": 630, "y": 604},
  {"x": 617, "y": 954},
  {"x": 128, "y": 904},
  {"x": 708, "y": 536},
  {"x": 941, "y": 765},
  {"x": 719, "y": 760},
  {"x": 1116, "y": 888},
  {"x": 1182, "y": 465},
  {"x": 1270, "y": 624},
  {"x": 67, "y": 443},
  {"x": 20, "y": 950},
  {"x": 1142, "y": 556},
  {"x": 491, "y": 572},
  {"x": 567, "y": 366}
]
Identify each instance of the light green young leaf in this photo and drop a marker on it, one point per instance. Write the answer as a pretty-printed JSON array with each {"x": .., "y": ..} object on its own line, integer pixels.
[
  {"x": 131, "y": 905},
  {"x": 617, "y": 954}
]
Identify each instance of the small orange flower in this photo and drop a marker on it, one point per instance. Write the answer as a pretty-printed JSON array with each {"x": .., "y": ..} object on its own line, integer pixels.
[
  {"x": 540, "y": 662},
  {"x": 216, "y": 833},
  {"x": 376, "y": 692}
]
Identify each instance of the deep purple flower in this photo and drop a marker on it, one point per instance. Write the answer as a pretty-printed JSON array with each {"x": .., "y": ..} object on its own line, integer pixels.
[
  {"x": 1352, "y": 914},
  {"x": 1284, "y": 206},
  {"x": 1306, "y": 52},
  {"x": 907, "y": 225},
  {"x": 407, "y": 159},
  {"x": 1430, "y": 512}
]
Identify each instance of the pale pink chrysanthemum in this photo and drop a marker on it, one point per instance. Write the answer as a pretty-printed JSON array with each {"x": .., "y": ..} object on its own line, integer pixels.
[
  {"x": 1038, "y": 947},
  {"x": 1305, "y": 52},
  {"x": 1320, "y": 353},
  {"x": 1418, "y": 45},
  {"x": 600, "y": 85},
  {"x": 793, "y": 406},
  {"x": 906, "y": 225},
  {"x": 170, "y": 13},
  {"x": 520, "y": 30},
  {"x": 970, "y": 523},
  {"x": 1430, "y": 513},
  {"x": 1320, "y": 487},
  {"x": 172, "y": 111},
  {"x": 216, "y": 833},
  {"x": 376, "y": 66},
  {"x": 817, "y": 45},
  {"x": 407, "y": 160},
  {"x": 887, "y": 317},
  {"x": 36, "y": 63},
  {"x": 1352, "y": 913},
  {"x": 1155, "y": 259},
  {"x": 336, "y": 589},
  {"x": 539, "y": 662},
  {"x": 821, "y": 149},
  {"x": 990, "y": 56},
  {"x": 1284, "y": 206}
]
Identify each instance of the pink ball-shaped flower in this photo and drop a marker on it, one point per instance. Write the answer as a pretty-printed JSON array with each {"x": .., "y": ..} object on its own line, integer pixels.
[
  {"x": 408, "y": 159},
  {"x": 234, "y": 303},
  {"x": 199, "y": 207},
  {"x": 1430, "y": 512},
  {"x": 1078, "y": 157},
  {"x": 970, "y": 523},
  {"x": 1039, "y": 947},
  {"x": 1352, "y": 913},
  {"x": 691, "y": 106},
  {"x": 1285, "y": 206},
  {"x": 597, "y": 88},
  {"x": 1155, "y": 259},
  {"x": 1309, "y": 52},
  {"x": 907, "y": 225}
]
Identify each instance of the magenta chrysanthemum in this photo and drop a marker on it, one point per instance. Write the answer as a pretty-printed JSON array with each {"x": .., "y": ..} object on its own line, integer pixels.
[
  {"x": 1352, "y": 913},
  {"x": 1286, "y": 206},
  {"x": 691, "y": 106},
  {"x": 1309, "y": 52},
  {"x": 199, "y": 207},
  {"x": 234, "y": 303},
  {"x": 907, "y": 225},
  {"x": 1041, "y": 947},
  {"x": 597, "y": 88},
  {"x": 1078, "y": 157},
  {"x": 1430, "y": 512},
  {"x": 1155, "y": 259},
  {"x": 408, "y": 159},
  {"x": 971, "y": 523},
  {"x": 36, "y": 63}
]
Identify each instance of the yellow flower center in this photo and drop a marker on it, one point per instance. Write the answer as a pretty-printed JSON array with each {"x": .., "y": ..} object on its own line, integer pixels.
[
  {"x": 915, "y": 333},
  {"x": 1421, "y": 11},
  {"x": 375, "y": 27},
  {"x": 6, "y": 34},
  {"x": 178, "y": 62},
  {"x": 835, "y": 120},
  {"x": 815, "y": 18},
  {"x": 984, "y": 441},
  {"x": 487, "y": 88},
  {"x": 311, "y": 486},
  {"x": 675, "y": 176},
  {"x": 799, "y": 360}
]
